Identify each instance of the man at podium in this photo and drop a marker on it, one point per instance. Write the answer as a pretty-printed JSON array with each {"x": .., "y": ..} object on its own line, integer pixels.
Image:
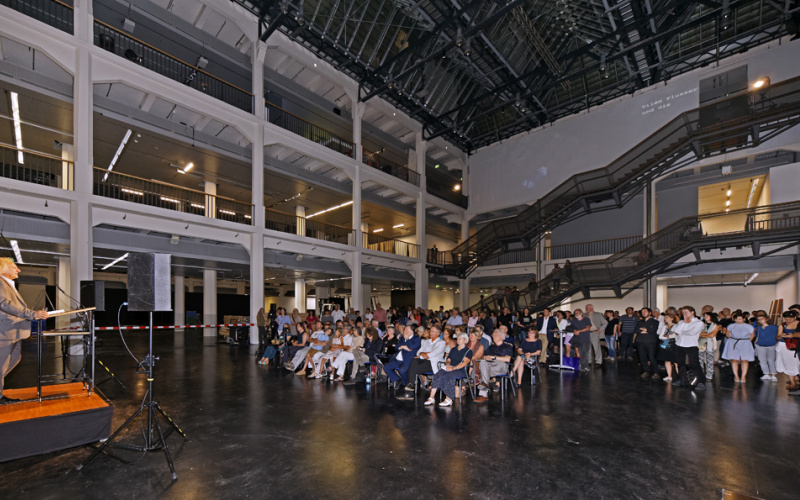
[{"x": 15, "y": 322}]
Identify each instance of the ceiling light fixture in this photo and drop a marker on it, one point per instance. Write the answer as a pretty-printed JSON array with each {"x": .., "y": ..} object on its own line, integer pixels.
[
  {"x": 132, "y": 191},
  {"x": 397, "y": 226},
  {"x": 17, "y": 126},
  {"x": 17, "y": 253},
  {"x": 330, "y": 209},
  {"x": 171, "y": 200},
  {"x": 752, "y": 194},
  {"x": 750, "y": 279},
  {"x": 457, "y": 187},
  {"x": 761, "y": 82},
  {"x": 114, "y": 262},
  {"x": 118, "y": 153},
  {"x": 377, "y": 230},
  {"x": 729, "y": 191},
  {"x": 188, "y": 167}
]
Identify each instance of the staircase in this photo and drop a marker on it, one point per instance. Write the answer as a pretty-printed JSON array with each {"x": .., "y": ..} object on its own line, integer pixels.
[
  {"x": 678, "y": 143},
  {"x": 775, "y": 225}
]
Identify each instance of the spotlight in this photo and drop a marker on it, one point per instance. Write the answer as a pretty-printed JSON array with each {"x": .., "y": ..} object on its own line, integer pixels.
[
  {"x": 459, "y": 38},
  {"x": 761, "y": 83}
]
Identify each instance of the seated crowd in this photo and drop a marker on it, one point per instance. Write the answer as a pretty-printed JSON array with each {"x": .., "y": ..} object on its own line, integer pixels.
[{"x": 452, "y": 352}]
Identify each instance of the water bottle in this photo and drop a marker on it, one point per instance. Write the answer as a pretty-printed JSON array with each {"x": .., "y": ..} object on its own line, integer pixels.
[{"x": 369, "y": 377}]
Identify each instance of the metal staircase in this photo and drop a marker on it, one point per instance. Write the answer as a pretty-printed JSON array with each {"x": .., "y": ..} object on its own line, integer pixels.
[
  {"x": 682, "y": 141},
  {"x": 776, "y": 226}
]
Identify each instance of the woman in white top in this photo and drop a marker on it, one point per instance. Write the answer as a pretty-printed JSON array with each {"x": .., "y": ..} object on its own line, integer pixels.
[
  {"x": 688, "y": 335},
  {"x": 473, "y": 319},
  {"x": 346, "y": 354},
  {"x": 562, "y": 323},
  {"x": 368, "y": 316},
  {"x": 708, "y": 343}
]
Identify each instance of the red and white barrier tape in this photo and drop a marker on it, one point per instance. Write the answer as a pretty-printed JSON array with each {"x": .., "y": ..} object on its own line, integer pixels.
[{"x": 169, "y": 327}]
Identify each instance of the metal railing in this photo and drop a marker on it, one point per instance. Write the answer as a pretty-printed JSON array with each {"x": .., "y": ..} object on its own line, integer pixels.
[
  {"x": 402, "y": 172},
  {"x": 293, "y": 123},
  {"x": 56, "y": 13},
  {"x": 147, "y": 56},
  {"x": 36, "y": 168},
  {"x": 389, "y": 245},
  {"x": 294, "y": 224},
  {"x": 162, "y": 195},
  {"x": 512, "y": 257},
  {"x": 589, "y": 248},
  {"x": 678, "y": 143}
]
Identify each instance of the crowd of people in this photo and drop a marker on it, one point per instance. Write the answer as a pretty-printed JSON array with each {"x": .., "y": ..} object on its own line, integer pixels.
[{"x": 450, "y": 351}]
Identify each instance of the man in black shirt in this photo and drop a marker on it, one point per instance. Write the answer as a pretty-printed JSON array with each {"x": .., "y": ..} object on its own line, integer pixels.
[
  {"x": 505, "y": 319},
  {"x": 495, "y": 362},
  {"x": 646, "y": 340}
]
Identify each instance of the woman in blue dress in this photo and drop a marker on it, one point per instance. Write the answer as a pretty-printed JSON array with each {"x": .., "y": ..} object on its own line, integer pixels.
[
  {"x": 455, "y": 367},
  {"x": 739, "y": 347}
]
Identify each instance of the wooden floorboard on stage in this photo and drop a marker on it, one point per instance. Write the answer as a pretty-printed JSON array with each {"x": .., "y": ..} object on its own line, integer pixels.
[{"x": 78, "y": 400}]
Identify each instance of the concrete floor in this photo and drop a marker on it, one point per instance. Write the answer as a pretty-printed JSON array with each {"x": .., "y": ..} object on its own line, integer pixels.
[{"x": 259, "y": 433}]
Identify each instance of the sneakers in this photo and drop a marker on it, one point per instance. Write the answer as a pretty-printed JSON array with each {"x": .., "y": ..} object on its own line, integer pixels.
[
  {"x": 773, "y": 378},
  {"x": 766, "y": 377},
  {"x": 700, "y": 387},
  {"x": 289, "y": 366},
  {"x": 667, "y": 379}
]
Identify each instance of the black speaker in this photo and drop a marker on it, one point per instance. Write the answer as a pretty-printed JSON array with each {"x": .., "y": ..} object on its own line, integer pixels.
[
  {"x": 149, "y": 277},
  {"x": 93, "y": 294}
]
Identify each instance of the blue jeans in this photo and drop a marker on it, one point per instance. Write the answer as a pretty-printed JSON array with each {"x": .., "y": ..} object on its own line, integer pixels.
[{"x": 611, "y": 343}]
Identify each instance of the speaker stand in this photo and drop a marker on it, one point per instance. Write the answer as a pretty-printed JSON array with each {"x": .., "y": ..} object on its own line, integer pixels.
[{"x": 155, "y": 439}]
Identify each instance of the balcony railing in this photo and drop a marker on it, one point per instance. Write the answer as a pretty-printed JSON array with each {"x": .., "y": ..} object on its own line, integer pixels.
[
  {"x": 293, "y": 224},
  {"x": 389, "y": 245},
  {"x": 394, "y": 169},
  {"x": 37, "y": 168},
  {"x": 513, "y": 257},
  {"x": 147, "y": 56},
  {"x": 589, "y": 248},
  {"x": 160, "y": 194},
  {"x": 56, "y": 13},
  {"x": 293, "y": 123}
]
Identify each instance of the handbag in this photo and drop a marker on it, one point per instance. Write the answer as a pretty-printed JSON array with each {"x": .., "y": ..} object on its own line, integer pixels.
[{"x": 792, "y": 343}]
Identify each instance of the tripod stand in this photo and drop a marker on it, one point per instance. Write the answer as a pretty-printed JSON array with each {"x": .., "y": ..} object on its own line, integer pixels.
[{"x": 155, "y": 438}]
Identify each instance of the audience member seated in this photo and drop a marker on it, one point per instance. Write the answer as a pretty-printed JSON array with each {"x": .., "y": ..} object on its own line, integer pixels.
[
  {"x": 495, "y": 362},
  {"x": 456, "y": 365},
  {"x": 427, "y": 359},
  {"x": 528, "y": 351},
  {"x": 348, "y": 354},
  {"x": 397, "y": 367}
]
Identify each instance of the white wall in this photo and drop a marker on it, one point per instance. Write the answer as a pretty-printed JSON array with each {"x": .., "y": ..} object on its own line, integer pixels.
[
  {"x": 784, "y": 183},
  {"x": 438, "y": 297},
  {"x": 523, "y": 168},
  {"x": 786, "y": 289},
  {"x": 735, "y": 297}
]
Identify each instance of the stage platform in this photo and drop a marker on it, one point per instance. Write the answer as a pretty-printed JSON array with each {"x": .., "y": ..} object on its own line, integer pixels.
[{"x": 32, "y": 428}]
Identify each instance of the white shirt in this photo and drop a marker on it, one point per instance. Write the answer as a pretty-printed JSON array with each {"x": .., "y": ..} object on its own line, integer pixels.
[
  {"x": 435, "y": 350},
  {"x": 338, "y": 315},
  {"x": 455, "y": 321},
  {"x": 472, "y": 322},
  {"x": 688, "y": 333},
  {"x": 348, "y": 340},
  {"x": 10, "y": 282}
]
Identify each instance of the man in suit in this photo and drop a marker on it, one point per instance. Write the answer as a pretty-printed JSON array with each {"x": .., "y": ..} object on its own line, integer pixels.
[
  {"x": 397, "y": 369},
  {"x": 548, "y": 325},
  {"x": 15, "y": 322}
]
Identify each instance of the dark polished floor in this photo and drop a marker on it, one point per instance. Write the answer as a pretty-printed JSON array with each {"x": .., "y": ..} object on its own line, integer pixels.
[{"x": 255, "y": 432}]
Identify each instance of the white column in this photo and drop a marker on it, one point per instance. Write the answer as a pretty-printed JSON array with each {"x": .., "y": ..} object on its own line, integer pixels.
[
  {"x": 257, "y": 181},
  {"x": 300, "y": 212},
  {"x": 366, "y": 296},
  {"x": 260, "y": 52},
  {"x": 300, "y": 294},
  {"x": 463, "y": 287},
  {"x": 662, "y": 299},
  {"x": 210, "y": 301},
  {"x": 358, "y": 113},
  {"x": 421, "y": 285},
  {"x": 83, "y": 21},
  {"x": 68, "y": 157},
  {"x": 211, "y": 197},
  {"x": 179, "y": 304},
  {"x": 361, "y": 240},
  {"x": 356, "y": 290},
  {"x": 80, "y": 242},
  {"x": 256, "y": 281},
  {"x": 62, "y": 301}
]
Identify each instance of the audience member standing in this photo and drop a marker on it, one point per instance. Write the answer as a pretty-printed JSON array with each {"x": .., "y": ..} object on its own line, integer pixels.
[
  {"x": 599, "y": 323},
  {"x": 611, "y": 333},
  {"x": 646, "y": 340},
  {"x": 708, "y": 343},
  {"x": 739, "y": 347},
  {"x": 766, "y": 340},
  {"x": 581, "y": 338},
  {"x": 627, "y": 329},
  {"x": 688, "y": 335}
]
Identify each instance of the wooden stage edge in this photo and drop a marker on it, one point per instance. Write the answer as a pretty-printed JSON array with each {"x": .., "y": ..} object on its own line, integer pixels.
[
  {"x": 33, "y": 428},
  {"x": 78, "y": 400}
]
